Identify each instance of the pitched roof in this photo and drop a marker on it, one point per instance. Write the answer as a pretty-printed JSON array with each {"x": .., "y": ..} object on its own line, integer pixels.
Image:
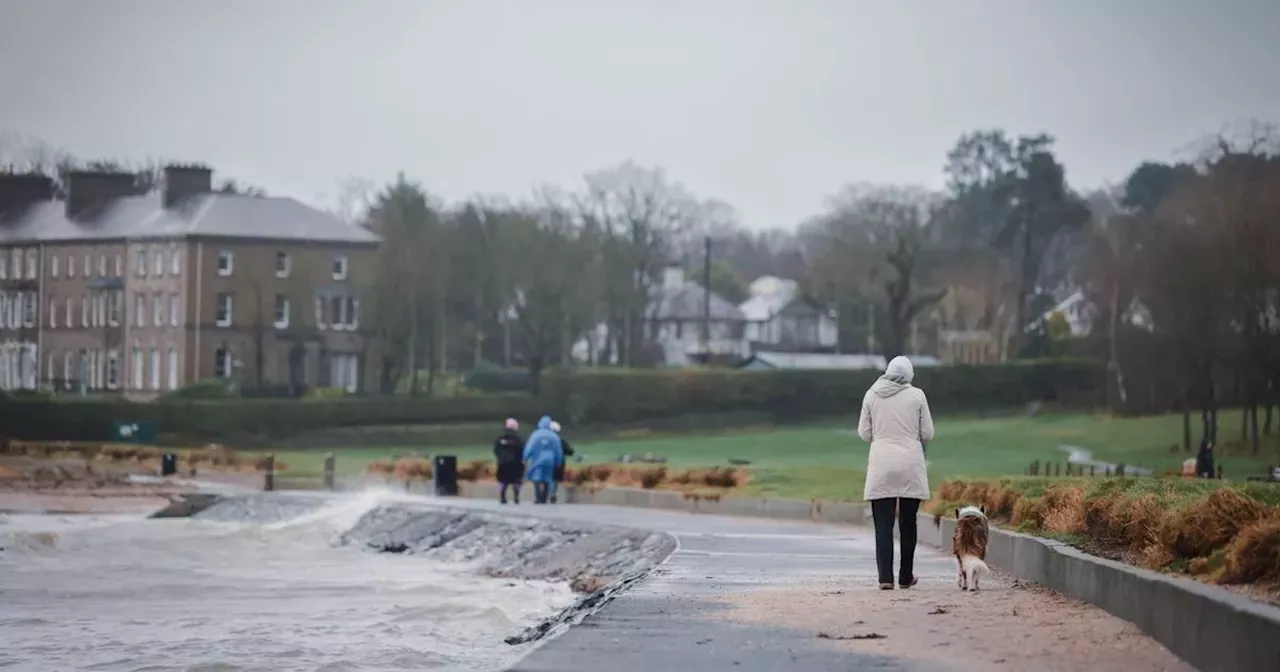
[
  {"x": 205, "y": 215},
  {"x": 686, "y": 303},
  {"x": 812, "y": 361}
]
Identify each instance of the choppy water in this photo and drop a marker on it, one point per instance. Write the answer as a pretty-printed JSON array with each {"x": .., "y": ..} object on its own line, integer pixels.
[{"x": 123, "y": 593}]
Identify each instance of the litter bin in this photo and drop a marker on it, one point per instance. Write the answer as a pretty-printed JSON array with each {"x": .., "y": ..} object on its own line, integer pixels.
[
  {"x": 168, "y": 464},
  {"x": 445, "y": 475}
]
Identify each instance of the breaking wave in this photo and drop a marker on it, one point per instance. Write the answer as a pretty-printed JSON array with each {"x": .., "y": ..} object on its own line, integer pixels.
[{"x": 372, "y": 580}]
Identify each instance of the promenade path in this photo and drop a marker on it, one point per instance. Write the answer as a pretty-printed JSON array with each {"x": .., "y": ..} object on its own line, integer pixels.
[{"x": 760, "y": 596}]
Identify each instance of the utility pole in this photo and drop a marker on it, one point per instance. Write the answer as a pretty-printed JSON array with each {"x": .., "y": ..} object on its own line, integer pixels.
[{"x": 706, "y": 298}]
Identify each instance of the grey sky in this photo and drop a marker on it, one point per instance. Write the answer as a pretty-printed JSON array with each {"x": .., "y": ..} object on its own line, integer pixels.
[{"x": 768, "y": 104}]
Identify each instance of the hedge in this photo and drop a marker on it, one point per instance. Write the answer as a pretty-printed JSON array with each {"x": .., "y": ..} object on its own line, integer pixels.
[{"x": 599, "y": 397}]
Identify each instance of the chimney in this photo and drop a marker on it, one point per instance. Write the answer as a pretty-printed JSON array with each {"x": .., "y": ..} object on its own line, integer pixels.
[
  {"x": 86, "y": 188},
  {"x": 18, "y": 190},
  {"x": 182, "y": 182},
  {"x": 672, "y": 277}
]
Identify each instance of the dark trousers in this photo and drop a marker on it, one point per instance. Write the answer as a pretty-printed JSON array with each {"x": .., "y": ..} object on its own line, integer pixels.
[
  {"x": 540, "y": 491},
  {"x": 515, "y": 492},
  {"x": 882, "y": 511}
]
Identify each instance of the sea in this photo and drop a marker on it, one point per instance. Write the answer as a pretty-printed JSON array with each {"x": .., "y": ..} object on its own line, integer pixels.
[{"x": 121, "y": 592}]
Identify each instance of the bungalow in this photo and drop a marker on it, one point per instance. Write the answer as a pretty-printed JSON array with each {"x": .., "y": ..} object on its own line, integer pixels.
[{"x": 779, "y": 317}]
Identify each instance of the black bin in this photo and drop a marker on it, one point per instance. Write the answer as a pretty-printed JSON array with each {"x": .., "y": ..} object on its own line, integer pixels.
[
  {"x": 168, "y": 464},
  {"x": 444, "y": 475}
]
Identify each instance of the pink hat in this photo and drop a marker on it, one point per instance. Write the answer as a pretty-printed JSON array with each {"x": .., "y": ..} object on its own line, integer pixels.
[{"x": 512, "y": 424}]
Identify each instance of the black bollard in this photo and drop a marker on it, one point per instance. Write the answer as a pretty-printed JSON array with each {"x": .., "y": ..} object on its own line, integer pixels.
[
  {"x": 328, "y": 471},
  {"x": 445, "y": 475},
  {"x": 269, "y": 472},
  {"x": 168, "y": 464}
]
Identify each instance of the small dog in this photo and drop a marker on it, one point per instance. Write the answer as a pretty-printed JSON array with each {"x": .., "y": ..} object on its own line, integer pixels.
[{"x": 970, "y": 545}]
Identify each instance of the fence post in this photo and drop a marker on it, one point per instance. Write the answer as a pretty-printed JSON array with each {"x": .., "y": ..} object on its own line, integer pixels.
[
  {"x": 328, "y": 471},
  {"x": 1120, "y": 470},
  {"x": 1091, "y": 471},
  {"x": 1057, "y": 469},
  {"x": 1037, "y": 468},
  {"x": 1108, "y": 471},
  {"x": 1219, "y": 472},
  {"x": 269, "y": 472}
]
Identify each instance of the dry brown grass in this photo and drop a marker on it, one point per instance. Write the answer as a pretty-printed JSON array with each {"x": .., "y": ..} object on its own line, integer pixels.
[
  {"x": 407, "y": 469},
  {"x": 1254, "y": 554},
  {"x": 1064, "y": 511},
  {"x": 477, "y": 470}
]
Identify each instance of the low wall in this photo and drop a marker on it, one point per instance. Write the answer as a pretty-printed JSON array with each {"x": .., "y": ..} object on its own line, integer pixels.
[
  {"x": 1214, "y": 630},
  {"x": 751, "y": 507}
]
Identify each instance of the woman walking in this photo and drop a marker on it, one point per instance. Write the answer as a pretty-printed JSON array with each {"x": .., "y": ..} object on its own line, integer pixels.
[
  {"x": 567, "y": 451},
  {"x": 508, "y": 450},
  {"x": 542, "y": 454},
  {"x": 896, "y": 422}
]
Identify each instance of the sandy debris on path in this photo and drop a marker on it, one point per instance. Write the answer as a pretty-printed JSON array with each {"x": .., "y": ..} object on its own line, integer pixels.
[
  {"x": 98, "y": 502},
  {"x": 1005, "y": 626}
]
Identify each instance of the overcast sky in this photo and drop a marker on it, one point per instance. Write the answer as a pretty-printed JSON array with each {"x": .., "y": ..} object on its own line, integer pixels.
[{"x": 767, "y": 104}]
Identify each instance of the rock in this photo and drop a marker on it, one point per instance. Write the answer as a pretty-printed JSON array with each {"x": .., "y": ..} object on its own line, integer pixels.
[{"x": 185, "y": 506}]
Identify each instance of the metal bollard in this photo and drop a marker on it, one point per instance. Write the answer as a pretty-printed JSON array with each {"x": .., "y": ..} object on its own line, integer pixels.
[
  {"x": 328, "y": 471},
  {"x": 269, "y": 472}
]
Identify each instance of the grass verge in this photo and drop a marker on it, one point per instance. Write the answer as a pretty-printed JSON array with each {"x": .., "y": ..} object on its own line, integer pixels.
[{"x": 1218, "y": 531}]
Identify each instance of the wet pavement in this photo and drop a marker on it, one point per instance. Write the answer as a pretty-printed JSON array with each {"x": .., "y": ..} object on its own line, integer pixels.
[{"x": 759, "y": 595}]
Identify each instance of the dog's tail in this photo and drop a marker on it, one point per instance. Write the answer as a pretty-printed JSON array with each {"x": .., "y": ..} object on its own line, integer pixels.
[{"x": 973, "y": 562}]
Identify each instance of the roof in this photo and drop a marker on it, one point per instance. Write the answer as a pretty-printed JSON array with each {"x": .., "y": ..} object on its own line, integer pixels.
[
  {"x": 812, "y": 361},
  {"x": 686, "y": 303},
  {"x": 205, "y": 215}
]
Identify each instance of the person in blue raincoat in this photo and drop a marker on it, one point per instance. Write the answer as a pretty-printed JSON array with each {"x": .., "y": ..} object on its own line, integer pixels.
[{"x": 543, "y": 452}]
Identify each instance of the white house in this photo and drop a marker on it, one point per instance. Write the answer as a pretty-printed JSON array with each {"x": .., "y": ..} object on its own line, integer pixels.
[
  {"x": 1080, "y": 313},
  {"x": 777, "y": 314},
  {"x": 674, "y": 319}
]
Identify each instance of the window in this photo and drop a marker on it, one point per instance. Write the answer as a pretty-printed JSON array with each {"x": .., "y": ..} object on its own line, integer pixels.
[
  {"x": 71, "y": 266},
  {"x": 344, "y": 370},
  {"x": 173, "y": 368},
  {"x": 52, "y": 374},
  {"x": 15, "y": 268},
  {"x": 226, "y": 262},
  {"x": 100, "y": 310},
  {"x": 113, "y": 372},
  {"x": 53, "y": 266},
  {"x": 115, "y": 306},
  {"x": 226, "y": 310},
  {"x": 53, "y": 312},
  {"x": 222, "y": 363},
  {"x": 4, "y": 271},
  {"x": 140, "y": 263},
  {"x": 157, "y": 256},
  {"x": 119, "y": 266},
  {"x": 320, "y": 322},
  {"x": 336, "y": 308},
  {"x": 88, "y": 265},
  {"x": 70, "y": 314},
  {"x": 137, "y": 368},
  {"x": 102, "y": 265},
  {"x": 155, "y": 368},
  {"x": 175, "y": 309},
  {"x": 284, "y": 264},
  {"x": 33, "y": 265},
  {"x": 140, "y": 309},
  {"x": 282, "y": 311},
  {"x": 157, "y": 309},
  {"x": 68, "y": 369},
  {"x": 175, "y": 261},
  {"x": 340, "y": 267},
  {"x": 84, "y": 310},
  {"x": 30, "y": 309},
  {"x": 353, "y": 313}
]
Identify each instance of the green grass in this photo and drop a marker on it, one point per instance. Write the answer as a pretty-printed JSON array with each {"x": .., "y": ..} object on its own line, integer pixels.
[{"x": 827, "y": 462}]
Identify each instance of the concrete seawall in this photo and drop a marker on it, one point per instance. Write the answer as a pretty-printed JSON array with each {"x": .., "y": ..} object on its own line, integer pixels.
[
  {"x": 1212, "y": 629},
  {"x": 841, "y": 513}
]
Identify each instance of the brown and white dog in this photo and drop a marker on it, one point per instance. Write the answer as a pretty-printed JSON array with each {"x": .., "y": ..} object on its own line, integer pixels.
[{"x": 970, "y": 545}]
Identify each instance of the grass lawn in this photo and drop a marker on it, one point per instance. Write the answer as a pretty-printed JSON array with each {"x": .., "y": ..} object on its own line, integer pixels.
[{"x": 827, "y": 462}]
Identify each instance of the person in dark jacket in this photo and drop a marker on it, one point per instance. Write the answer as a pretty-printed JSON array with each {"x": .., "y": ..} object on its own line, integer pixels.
[
  {"x": 1204, "y": 459},
  {"x": 509, "y": 451},
  {"x": 568, "y": 452}
]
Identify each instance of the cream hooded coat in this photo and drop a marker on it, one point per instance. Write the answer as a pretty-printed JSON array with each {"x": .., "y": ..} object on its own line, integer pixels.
[{"x": 895, "y": 420}]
